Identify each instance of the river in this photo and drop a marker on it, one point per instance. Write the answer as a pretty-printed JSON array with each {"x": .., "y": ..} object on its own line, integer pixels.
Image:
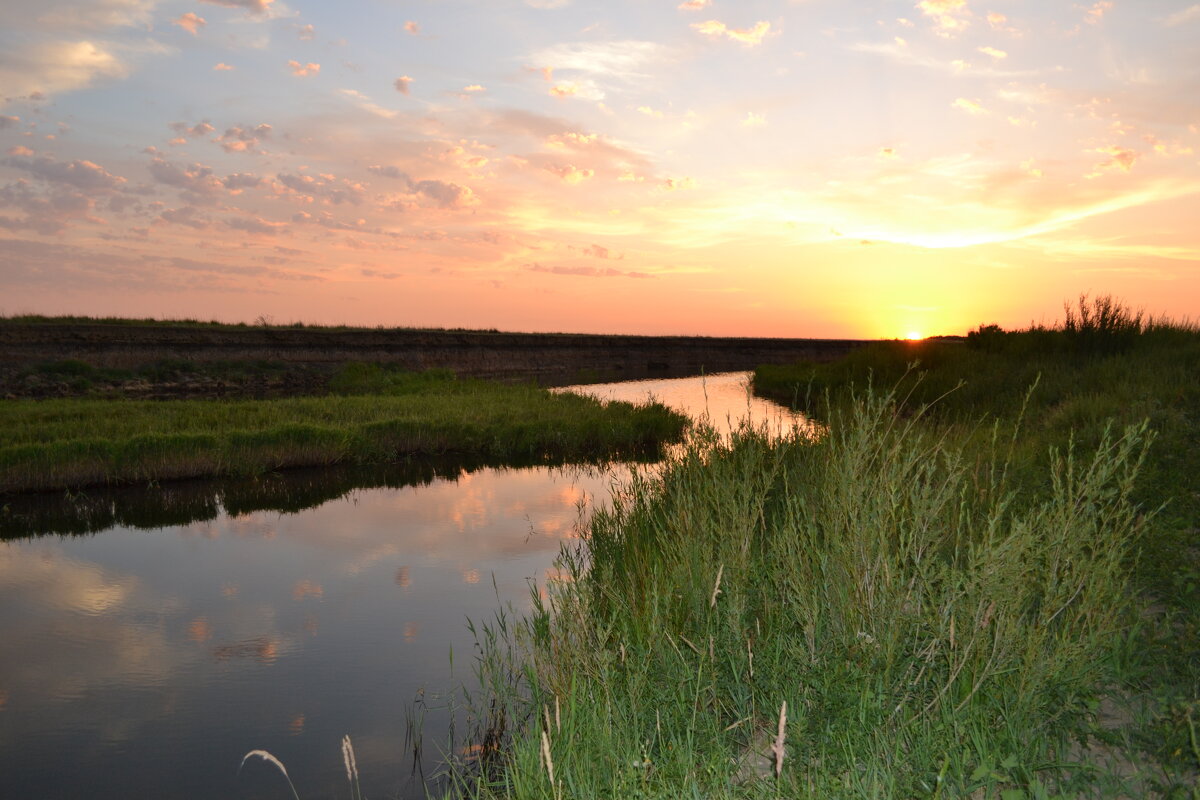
[{"x": 152, "y": 637}]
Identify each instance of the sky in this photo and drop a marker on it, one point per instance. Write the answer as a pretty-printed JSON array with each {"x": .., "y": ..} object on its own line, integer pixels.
[{"x": 809, "y": 168}]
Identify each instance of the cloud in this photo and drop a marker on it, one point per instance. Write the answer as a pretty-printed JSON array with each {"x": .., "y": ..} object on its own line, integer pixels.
[
  {"x": 48, "y": 209},
  {"x": 474, "y": 87},
  {"x": 440, "y": 193},
  {"x": 326, "y": 187},
  {"x": 83, "y": 175},
  {"x": 650, "y": 112},
  {"x": 195, "y": 131},
  {"x": 906, "y": 55},
  {"x": 53, "y": 67},
  {"x": 970, "y": 106},
  {"x": 993, "y": 52},
  {"x": 254, "y": 7},
  {"x": 190, "y": 23},
  {"x": 221, "y": 67},
  {"x": 306, "y": 33},
  {"x": 753, "y": 120},
  {"x": 196, "y": 179},
  {"x": 587, "y": 272},
  {"x": 570, "y": 173},
  {"x": 694, "y": 5},
  {"x": 1095, "y": 14},
  {"x": 402, "y": 83},
  {"x": 185, "y": 215},
  {"x": 751, "y": 36},
  {"x": 1121, "y": 158},
  {"x": 9, "y": 122},
  {"x": 547, "y": 4},
  {"x": 1186, "y": 15},
  {"x": 564, "y": 90},
  {"x": 95, "y": 15},
  {"x": 238, "y": 181},
  {"x": 256, "y": 225},
  {"x": 303, "y": 70},
  {"x": 244, "y": 140},
  {"x": 412, "y": 28},
  {"x": 947, "y": 15},
  {"x": 20, "y": 150},
  {"x": 626, "y": 60},
  {"x": 367, "y": 104}
]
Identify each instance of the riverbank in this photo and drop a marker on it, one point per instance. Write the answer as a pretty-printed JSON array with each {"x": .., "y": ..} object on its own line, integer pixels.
[
  {"x": 978, "y": 598},
  {"x": 379, "y": 416}
]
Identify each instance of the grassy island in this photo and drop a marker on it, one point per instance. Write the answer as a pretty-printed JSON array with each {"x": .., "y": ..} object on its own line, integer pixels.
[
  {"x": 982, "y": 579},
  {"x": 375, "y": 415}
]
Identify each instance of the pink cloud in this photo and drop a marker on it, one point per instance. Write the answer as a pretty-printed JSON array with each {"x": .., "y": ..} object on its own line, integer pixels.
[
  {"x": 694, "y": 5},
  {"x": 190, "y": 23},
  {"x": 222, "y": 67},
  {"x": 412, "y": 28},
  {"x": 571, "y": 174},
  {"x": 304, "y": 70},
  {"x": 402, "y": 83}
]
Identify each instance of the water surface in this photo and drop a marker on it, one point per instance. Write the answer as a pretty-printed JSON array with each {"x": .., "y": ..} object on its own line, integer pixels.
[{"x": 161, "y": 634}]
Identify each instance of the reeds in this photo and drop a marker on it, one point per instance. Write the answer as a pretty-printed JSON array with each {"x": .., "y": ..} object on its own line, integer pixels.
[{"x": 919, "y": 617}]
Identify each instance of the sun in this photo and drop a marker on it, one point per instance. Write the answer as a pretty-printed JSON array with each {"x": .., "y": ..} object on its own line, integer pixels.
[{"x": 914, "y": 336}]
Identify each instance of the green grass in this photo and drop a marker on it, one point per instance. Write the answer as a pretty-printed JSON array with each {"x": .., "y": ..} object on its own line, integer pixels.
[
  {"x": 381, "y": 415},
  {"x": 953, "y": 600}
]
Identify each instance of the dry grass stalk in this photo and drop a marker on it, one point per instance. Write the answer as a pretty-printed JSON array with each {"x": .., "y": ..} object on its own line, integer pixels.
[
  {"x": 777, "y": 746},
  {"x": 546, "y": 757},
  {"x": 270, "y": 759},
  {"x": 712, "y": 603}
]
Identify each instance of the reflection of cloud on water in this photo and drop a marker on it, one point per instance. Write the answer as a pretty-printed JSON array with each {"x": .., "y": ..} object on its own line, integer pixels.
[
  {"x": 303, "y": 589},
  {"x": 263, "y": 649},
  {"x": 62, "y": 583},
  {"x": 402, "y": 578},
  {"x": 200, "y": 630}
]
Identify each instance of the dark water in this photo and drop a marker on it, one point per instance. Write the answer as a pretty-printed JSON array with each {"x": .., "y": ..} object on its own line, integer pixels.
[{"x": 150, "y": 638}]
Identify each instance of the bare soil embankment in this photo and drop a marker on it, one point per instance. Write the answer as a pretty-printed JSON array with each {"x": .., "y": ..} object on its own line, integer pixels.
[{"x": 302, "y": 359}]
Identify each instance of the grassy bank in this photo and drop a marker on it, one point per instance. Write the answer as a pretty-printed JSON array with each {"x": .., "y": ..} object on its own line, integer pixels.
[
  {"x": 377, "y": 416},
  {"x": 950, "y": 603}
]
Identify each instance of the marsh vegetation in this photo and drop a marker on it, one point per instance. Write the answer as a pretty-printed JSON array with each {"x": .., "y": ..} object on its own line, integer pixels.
[
  {"x": 375, "y": 415},
  {"x": 982, "y": 581}
]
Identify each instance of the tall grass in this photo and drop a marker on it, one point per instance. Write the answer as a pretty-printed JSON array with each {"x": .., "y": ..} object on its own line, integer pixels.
[
  {"x": 73, "y": 442},
  {"x": 931, "y": 630}
]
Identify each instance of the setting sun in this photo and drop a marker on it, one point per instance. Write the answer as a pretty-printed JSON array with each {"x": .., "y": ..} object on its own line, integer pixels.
[{"x": 913, "y": 336}]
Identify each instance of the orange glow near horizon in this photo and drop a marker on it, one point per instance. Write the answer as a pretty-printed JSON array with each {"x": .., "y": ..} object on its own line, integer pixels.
[{"x": 805, "y": 172}]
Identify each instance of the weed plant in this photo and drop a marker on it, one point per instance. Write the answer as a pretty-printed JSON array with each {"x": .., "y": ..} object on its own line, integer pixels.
[{"x": 932, "y": 631}]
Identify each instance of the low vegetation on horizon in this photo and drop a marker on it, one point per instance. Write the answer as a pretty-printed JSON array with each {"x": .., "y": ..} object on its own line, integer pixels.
[
  {"x": 376, "y": 415},
  {"x": 983, "y": 580}
]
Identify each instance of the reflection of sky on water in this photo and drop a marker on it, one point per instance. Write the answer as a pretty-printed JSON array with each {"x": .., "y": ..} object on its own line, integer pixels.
[
  {"x": 141, "y": 663},
  {"x": 722, "y": 399},
  {"x": 152, "y": 660}
]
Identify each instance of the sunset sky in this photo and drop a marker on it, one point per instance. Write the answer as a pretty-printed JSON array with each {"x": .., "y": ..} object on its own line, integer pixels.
[{"x": 806, "y": 168}]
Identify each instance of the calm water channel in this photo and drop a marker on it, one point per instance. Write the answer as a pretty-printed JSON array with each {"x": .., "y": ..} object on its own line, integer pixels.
[{"x": 150, "y": 638}]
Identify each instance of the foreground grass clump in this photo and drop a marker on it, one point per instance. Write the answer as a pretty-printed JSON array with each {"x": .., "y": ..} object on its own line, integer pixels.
[
  {"x": 381, "y": 416},
  {"x": 932, "y": 631}
]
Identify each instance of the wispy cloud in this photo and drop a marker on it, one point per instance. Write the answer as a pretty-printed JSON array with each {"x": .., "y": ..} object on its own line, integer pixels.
[
  {"x": 1183, "y": 16},
  {"x": 751, "y": 36}
]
